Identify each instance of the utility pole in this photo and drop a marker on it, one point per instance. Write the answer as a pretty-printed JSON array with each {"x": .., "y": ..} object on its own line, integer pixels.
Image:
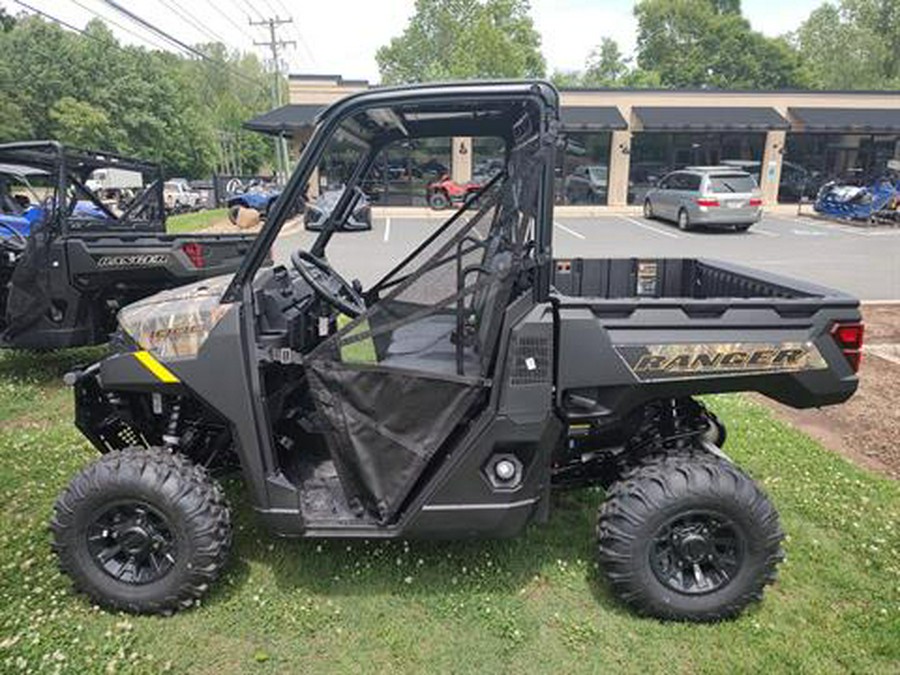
[{"x": 275, "y": 44}]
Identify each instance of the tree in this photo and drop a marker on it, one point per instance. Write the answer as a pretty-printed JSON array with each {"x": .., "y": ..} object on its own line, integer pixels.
[
  {"x": 606, "y": 67},
  {"x": 606, "y": 64},
  {"x": 708, "y": 43},
  {"x": 463, "y": 39},
  {"x": 852, "y": 46},
  {"x": 90, "y": 90},
  {"x": 7, "y": 21},
  {"x": 79, "y": 123}
]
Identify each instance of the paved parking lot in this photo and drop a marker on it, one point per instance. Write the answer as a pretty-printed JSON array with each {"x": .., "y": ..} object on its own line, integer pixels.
[{"x": 863, "y": 262}]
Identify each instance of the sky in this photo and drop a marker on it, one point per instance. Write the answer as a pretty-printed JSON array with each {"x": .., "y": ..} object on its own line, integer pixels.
[{"x": 341, "y": 36}]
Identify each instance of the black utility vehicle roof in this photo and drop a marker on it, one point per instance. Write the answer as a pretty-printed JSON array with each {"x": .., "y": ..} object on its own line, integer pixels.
[
  {"x": 47, "y": 155},
  {"x": 442, "y": 109}
]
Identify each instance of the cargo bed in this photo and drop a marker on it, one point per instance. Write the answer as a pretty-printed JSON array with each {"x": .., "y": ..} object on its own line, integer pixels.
[{"x": 679, "y": 326}]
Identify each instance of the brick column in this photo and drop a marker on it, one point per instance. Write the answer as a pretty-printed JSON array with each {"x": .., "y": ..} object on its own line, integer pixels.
[
  {"x": 461, "y": 159},
  {"x": 619, "y": 167},
  {"x": 770, "y": 171}
]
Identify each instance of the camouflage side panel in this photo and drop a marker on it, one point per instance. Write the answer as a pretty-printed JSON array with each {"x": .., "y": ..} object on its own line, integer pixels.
[
  {"x": 175, "y": 323},
  {"x": 678, "y": 361}
]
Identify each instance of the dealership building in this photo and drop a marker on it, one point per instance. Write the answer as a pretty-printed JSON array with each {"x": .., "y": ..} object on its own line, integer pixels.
[{"x": 619, "y": 142}]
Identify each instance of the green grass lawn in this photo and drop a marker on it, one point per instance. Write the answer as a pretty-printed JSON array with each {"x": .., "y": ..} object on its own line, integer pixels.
[
  {"x": 192, "y": 222},
  {"x": 534, "y": 604}
]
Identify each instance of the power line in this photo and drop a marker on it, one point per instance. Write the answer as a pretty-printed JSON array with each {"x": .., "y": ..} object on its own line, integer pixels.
[
  {"x": 154, "y": 43},
  {"x": 189, "y": 18},
  {"x": 159, "y": 31},
  {"x": 251, "y": 10},
  {"x": 225, "y": 16}
]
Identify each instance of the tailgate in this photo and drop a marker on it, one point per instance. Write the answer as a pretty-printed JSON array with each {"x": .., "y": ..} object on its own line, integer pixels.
[{"x": 166, "y": 260}]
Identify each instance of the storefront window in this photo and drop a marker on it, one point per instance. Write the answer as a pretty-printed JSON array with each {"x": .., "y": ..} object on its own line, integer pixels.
[
  {"x": 653, "y": 155},
  {"x": 582, "y": 168},
  {"x": 488, "y": 158},
  {"x": 403, "y": 171},
  {"x": 811, "y": 160}
]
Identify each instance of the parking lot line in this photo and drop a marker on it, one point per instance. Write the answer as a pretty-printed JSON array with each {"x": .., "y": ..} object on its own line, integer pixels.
[
  {"x": 387, "y": 228},
  {"x": 645, "y": 226},
  {"x": 759, "y": 230},
  {"x": 821, "y": 226},
  {"x": 569, "y": 231}
]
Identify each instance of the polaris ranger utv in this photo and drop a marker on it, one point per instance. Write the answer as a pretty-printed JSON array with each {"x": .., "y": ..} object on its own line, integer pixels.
[
  {"x": 72, "y": 256},
  {"x": 453, "y": 396}
]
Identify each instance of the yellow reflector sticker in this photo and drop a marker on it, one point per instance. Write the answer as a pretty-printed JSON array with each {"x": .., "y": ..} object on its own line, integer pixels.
[{"x": 150, "y": 363}]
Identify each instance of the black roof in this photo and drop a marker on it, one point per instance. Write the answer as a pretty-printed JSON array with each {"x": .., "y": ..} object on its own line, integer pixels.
[
  {"x": 708, "y": 118},
  {"x": 48, "y": 155},
  {"x": 872, "y": 120},
  {"x": 286, "y": 119},
  {"x": 592, "y": 117}
]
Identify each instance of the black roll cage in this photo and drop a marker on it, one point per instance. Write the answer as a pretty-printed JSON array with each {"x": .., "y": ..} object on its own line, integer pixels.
[
  {"x": 71, "y": 166},
  {"x": 327, "y": 122}
]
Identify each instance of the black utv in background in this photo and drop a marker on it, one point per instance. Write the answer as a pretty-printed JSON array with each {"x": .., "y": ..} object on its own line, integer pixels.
[
  {"x": 453, "y": 396},
  {"x": 82, "y": 234}
]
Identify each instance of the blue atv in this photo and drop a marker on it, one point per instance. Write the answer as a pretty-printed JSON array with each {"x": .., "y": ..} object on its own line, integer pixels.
[
  {"x": 257, "y": 198},
  {"x": 858, "y": 202}
]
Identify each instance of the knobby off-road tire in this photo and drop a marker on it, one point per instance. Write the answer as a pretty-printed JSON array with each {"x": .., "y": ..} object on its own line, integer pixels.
[
  {"x": 142, "y": 530},
  {"x": 674, "y": 513}
]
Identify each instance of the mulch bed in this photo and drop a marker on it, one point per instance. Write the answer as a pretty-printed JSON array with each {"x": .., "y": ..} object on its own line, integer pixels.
[{"x": 866, "y": 428}]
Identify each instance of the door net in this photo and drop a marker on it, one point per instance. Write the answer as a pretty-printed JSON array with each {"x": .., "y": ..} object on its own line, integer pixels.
[{"x": 394, "y": 382}]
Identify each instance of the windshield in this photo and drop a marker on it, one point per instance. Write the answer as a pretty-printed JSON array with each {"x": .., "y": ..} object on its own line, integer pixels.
[
  {"x": 402, "y": 172},
  {"x": 727, "y": 183}
]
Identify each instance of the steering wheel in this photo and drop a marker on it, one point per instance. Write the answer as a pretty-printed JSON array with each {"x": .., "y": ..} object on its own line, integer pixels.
[{"x": 331, "y": 286}]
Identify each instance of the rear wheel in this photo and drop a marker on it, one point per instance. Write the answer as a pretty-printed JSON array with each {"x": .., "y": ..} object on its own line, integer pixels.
[
  {"x": 742, "y": 228},
  {"x": 233, "y": 214},
  {"x": 688, "y": 538},
  {"x": 684, "y": 220},
  {"x": 142, "y": 530},
  {"x": 648, "y": 209}
]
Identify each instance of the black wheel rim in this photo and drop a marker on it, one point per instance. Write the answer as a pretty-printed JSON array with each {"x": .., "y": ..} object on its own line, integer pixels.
[
  {"x": 132, "y": 542},
  {"x": 696, "y": 553}
]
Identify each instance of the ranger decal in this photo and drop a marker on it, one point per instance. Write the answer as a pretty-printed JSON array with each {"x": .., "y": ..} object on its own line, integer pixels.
[
  {"x": 672, "y": 361},
  {"x": 133, "y": 260}
]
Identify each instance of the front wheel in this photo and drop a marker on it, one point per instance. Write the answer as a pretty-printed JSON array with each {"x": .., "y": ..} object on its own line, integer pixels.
[
  {"x": 142, "y": 530},
  {"x": 688, "y": 538},
  {"x": 648, "y": 209},
  {"x": 438, "y": 200}
]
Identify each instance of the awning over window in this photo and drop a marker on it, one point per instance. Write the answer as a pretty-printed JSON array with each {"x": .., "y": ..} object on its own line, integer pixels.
[
  {"x": 871, "y": 120},
  {"x": 709, "y": 119},
  {"x": 592, "y": 117},
  {"x": 286, "y": 119}
]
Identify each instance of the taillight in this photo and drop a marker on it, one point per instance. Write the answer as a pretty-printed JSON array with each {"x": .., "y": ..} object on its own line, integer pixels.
[
  {"x": 194, "y": 252},
  {"x": 756, "y": 202},
  {"x": 706, "y": 202},
  {"x": 849, "y": 337}
]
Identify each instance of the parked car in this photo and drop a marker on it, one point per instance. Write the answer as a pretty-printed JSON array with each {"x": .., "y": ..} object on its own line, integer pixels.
[
  {"x": 720, "y": 197},
  {"x": 179, "y": 197},
  {"x": 315, "y": 215},
  {"x": 587, "y": 184}
]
